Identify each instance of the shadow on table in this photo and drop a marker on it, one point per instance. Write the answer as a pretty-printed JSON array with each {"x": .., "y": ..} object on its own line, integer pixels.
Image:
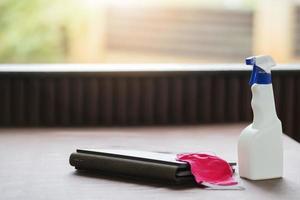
[
  {"x": 278, "y": 185},
  {"x": 138, "y": 180}
]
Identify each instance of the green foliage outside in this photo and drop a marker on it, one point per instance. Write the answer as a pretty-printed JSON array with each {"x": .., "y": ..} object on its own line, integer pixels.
[
  {"x": 33, "y": 31},
  {"x": 39, "y": 31}
]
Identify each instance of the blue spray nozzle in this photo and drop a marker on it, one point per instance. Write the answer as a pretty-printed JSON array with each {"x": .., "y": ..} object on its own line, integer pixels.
[
  {"x": 250, "y": 61},
  {"x": 258, "y": 75}
]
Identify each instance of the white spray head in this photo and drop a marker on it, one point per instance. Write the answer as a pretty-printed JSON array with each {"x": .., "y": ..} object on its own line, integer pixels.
[{"x": 264, "y": 62}]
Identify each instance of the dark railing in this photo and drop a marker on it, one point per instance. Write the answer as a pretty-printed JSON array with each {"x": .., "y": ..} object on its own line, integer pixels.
[{"x": 109, "y": 95}]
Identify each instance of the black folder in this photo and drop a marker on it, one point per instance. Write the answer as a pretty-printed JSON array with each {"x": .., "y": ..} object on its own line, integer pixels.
[{"x": 144, "y": 164}]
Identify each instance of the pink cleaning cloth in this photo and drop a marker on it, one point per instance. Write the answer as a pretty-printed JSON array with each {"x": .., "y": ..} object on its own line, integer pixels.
[{"x": 208, "y": 168}]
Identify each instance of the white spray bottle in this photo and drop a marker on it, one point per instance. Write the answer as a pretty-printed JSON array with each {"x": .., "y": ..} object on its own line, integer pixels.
[{"x": 260, "y": 150}]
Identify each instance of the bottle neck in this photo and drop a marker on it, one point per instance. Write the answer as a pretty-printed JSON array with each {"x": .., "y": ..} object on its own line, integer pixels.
[{"x": 263, "y": 105}]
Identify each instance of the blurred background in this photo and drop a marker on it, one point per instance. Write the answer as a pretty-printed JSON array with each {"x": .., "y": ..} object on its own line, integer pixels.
[{"x": 148, "y": 31}]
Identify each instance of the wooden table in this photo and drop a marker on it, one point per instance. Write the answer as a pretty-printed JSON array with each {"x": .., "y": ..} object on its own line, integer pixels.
[{"x": 34, "y": 163}]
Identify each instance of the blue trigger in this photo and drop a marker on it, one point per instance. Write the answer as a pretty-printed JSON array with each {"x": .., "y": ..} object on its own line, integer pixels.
[{"x": 258, "y": 75}]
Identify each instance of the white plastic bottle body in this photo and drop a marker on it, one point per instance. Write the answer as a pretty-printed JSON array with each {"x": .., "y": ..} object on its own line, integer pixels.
[{"x": 260, "y": 148}]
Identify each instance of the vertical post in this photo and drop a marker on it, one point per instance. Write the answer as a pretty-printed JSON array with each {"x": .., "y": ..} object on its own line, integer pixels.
[
  {"x": 273, "y": 29},
  {"x": 88, "y": 35}
]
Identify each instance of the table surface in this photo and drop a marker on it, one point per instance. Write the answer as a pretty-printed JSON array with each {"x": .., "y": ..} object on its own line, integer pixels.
[{"x": 34, "y": 163}]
